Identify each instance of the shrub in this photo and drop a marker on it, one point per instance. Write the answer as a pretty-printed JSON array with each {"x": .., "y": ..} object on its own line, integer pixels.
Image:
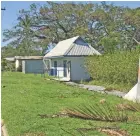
[
  {"x": 7, "y": 65},
  {"x": 120, "y": 67}
]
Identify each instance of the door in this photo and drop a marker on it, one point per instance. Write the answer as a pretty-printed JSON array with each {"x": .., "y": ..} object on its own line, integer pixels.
[
  {"x": 55, "y": 68},
  {"x": 69, "y": 69},
  {"x": 65, "y": 68}
]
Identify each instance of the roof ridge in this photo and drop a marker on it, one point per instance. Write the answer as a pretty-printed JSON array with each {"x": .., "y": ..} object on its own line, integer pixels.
[
  {"x": 69, "y": 39},
  {"x": 71, "y": 46},
  {"x": 75, "y": 44}
]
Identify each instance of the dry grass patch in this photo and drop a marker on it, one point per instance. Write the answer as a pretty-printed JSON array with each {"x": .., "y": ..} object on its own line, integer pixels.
[
  {"x": 33, "y": 134},
  {"x": 107, "y": 130},
  {"x": 131, "y": 107}
]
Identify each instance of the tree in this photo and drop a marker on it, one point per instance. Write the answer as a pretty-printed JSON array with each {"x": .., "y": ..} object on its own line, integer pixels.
[
  {"x": 23, "y": 35},
  {"x": 132, "y": 27},
  {"x": 106, "y": 27}
]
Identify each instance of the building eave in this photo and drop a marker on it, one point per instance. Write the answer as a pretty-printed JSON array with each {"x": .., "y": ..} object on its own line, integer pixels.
[{"x": 28, "y": 57}]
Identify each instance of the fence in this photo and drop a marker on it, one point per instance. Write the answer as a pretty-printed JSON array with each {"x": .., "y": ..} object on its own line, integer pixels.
[{"x": 58, "y": 72}]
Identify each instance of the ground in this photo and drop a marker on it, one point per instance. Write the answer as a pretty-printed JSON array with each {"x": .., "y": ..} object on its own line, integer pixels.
[{"x": 25, "y": 96}]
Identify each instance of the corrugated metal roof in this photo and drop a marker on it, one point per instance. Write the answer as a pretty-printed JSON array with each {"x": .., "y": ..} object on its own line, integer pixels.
[
  {"x": 61, "y": 47},
  {"x": 81, "y": 50},
  {"x": 71, "y": 48}
]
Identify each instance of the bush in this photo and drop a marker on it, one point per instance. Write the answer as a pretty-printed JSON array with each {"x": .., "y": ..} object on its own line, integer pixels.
[
  {"x": 117, "y": 68},
  {"x": 7, "y": 65}
]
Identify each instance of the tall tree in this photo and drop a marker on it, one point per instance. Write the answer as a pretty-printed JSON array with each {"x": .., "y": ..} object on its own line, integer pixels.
[
  {"x": 23, "y": 35},
  {"x": 106, "y": 27},
  {"x": 132, "y": 26}
]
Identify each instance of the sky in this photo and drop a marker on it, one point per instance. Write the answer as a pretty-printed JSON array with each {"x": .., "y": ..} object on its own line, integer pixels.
[{"x": 9, "y": 16}]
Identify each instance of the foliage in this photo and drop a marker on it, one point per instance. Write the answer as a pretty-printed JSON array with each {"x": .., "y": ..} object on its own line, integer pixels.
[
  {"x": 10, "y": 51},
  {"x": 100, "y": 112},
  {"x": 105, "y": 26},
  {"x": 7, "y": 66},
  {"x": 118, "y": 68},
  {"x": 135, "y": 107}
]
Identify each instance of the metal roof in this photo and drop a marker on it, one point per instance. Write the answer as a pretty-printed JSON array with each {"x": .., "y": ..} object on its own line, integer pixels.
[
  {"x": 81, "y": 50},
  {"x": 70, "y": 47},
  {"x": 61, "y": 47}
]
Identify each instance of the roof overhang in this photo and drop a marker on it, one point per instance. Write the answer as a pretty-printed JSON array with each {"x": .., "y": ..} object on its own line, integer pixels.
[
  {"x": 52, "y": 57},
  {"x": 28, "y": 57},
  {"x": 12, "y": 59}
]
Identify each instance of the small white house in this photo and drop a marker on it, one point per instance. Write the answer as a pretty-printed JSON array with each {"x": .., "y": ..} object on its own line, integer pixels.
[
  {"x": 29, "y": 64},
  {"x": 66, "y": 59}
]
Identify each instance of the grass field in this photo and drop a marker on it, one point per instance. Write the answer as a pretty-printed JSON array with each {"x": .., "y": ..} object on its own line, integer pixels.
[{"x": 24, "y": 96}]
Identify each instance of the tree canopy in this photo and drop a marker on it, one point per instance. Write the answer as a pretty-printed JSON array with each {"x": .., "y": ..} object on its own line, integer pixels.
[{"x": 108, "y": 28}]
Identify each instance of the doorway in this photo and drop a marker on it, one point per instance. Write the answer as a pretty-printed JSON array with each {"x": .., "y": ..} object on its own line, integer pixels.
[
  {"x": 55, "y": 68},
  {"x": 67, "y": 68}
]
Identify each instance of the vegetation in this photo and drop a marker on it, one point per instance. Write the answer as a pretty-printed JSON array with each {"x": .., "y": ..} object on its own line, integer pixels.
[
  {"x": 99, "y": 112},
  {"x": 26, "y": 97},
  {"x": 33, "y": 105},
  {"x": 7, "y": 66},
  {"x": 117, "y": 71},
  {"x": 106, "y": 27}
]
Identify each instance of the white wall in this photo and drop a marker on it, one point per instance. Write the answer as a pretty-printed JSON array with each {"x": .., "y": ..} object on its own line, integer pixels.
[
  {"x": 17, "y": 64},
  {"x": 23, "y": 66},
  {"x": 78, "y": 71}
]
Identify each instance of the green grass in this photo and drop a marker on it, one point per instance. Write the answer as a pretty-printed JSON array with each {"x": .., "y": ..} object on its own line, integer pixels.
[{"x": 24, "y": 96}]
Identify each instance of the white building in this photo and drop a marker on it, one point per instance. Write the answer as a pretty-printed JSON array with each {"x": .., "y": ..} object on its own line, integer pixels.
[{"x": 66, "y": 59}]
